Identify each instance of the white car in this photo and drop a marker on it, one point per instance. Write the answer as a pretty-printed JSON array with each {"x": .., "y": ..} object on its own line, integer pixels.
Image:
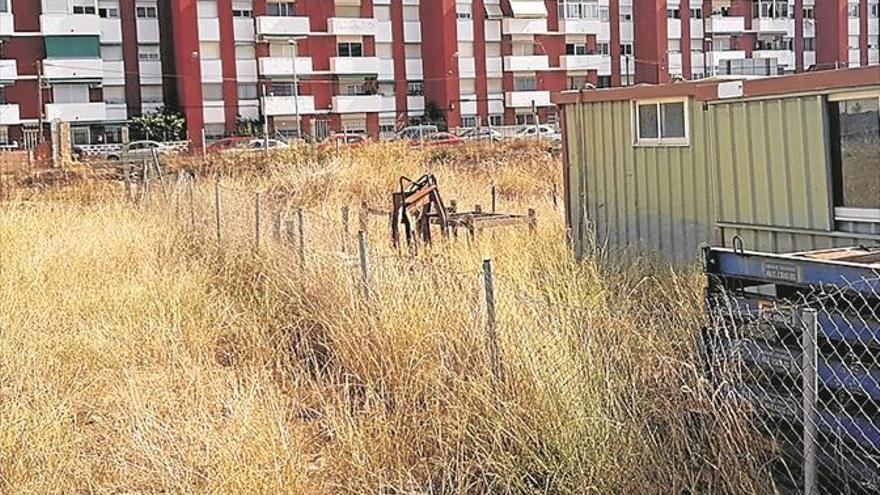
[
  {"x": 257, "y": 145},
  {"x": 481, "y": 134},
  {"x": 544, "y": 132},
  {"x": 138, "y": 151}
]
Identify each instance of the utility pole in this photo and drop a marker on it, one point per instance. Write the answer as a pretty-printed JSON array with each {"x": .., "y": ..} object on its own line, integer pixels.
[
  {"x": 295, "y": 44},
  {"x": 535, "y": 118},
  {"x": 265, "y": 123}
]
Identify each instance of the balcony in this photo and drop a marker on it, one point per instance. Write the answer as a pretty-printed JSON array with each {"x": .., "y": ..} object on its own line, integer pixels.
[
  {"x": 9, "y": 114},
  {"x": 351, "y": 26},
  {"x": 117, "y": 111},
  {"x": 717, "y": 57},
  {"x": 246, "y": 70},
  {"x": 602, "y": 63},
  {"x": 384, "y": 32},
  {"x": 415, "y": 103},
  {"x": 214, "y": 112},
  {"x": 673, "y": 29},
  {"x": 525, "y": 99},
  {"x": 59, "y": 24},
  {"x": 494, "y": 67},
  {"x": 114, "y": 73},
  {"x": 784, "y": 58},
  {"x": 212, "y": 71},
  {"x": 8, "y": 71},
  {"x": 147, "y": 31},
  {"x": 77, "y": 112},
  {"x": 209, "y": 29},
  {"x": 249, "y": 109},
  {"x": 721, "y": 24},
  {"x": 414, "y": 69},
  {"x": 524, "y": 26},
  {"x": 412, "y": 32},
  {"x": 467, "y": 68},
  {"x": 526, "y": 62},
  {"x": 287, "y": 105},
  {"x": 773, "y": 25},
  {"x": 354, "y": 65},
  {"x": 580, "y": 26},
  {"x": 111, "y": 31},
  {"x": 150, "y": 71},
  {"x": 243, "y": 29},
  {"x": 283, "y": 66},
  {"x": 7, "y": 25},
  {"x": 357, "y": 104},
  {"x": 73, "y": 68},
  {"x": 389, "y": 104},
  {"x": 386, "y": 69},
  {"x": 282, "y": 26}
]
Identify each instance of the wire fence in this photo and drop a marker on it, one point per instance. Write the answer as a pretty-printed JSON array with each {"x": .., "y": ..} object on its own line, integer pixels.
[{"x": 802, "y": 361}]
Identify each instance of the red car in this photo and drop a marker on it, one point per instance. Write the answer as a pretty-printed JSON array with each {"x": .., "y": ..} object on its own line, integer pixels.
[
  {"x": 439, "y": 139},
  {"x": 230, "y": 143}
]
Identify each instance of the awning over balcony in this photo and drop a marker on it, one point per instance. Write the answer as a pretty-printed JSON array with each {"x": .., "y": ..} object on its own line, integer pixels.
[{"x": 528, "y": 9}]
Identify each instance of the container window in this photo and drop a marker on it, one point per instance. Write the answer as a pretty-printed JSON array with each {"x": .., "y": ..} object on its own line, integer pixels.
[
  {"x": 855, "y": 144},
  {"x": 661, "y": 123}
]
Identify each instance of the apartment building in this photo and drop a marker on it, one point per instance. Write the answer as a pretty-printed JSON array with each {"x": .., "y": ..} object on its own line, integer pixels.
[{"x": 313, "y": 67}]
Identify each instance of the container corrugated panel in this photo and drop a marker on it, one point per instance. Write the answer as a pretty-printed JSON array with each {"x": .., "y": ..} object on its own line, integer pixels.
[{"x": 644, "y": 197}]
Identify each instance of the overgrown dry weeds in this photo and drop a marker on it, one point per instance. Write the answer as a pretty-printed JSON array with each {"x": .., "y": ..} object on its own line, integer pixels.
[{"x": 139, "y": 355}]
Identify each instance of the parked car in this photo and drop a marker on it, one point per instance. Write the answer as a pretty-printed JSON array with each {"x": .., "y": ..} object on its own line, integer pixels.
[
  {"x": 481, "y": 134},
  {"x": 544, "y": 132},
  {"x": 230, "y": 143},
  {"x": 256, "y": 145},
  {"x": 439, "y": 139},
  {"x": 351, "y": 139},
  {"x": 138, "y": 151},
  {"x": 417, "y": 131}
]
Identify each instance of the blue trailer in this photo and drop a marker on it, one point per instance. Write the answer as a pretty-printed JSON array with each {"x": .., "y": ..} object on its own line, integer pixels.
[{"x": 758, "y": 347}]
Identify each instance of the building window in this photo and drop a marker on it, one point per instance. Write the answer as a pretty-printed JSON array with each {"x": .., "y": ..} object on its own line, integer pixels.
[
  {"x": 578, "y": 9},
  {"x": 146, "y": 12},
  {"x": 604, "y": 82},
  {"x": 280, "y": 9},
  {"x": 852, "y": 9},
  {"x": 855, "y": 152},
  {"x": 496, "y": 120},
  {"x": 148, "y": 52},
  {"x": 415, "y": 88},
  {"x": 576, "y": 49},
  {"x": 247, "y": 91},
  {"x": 626, "y": 49},
  {"x": 108, "y": 12},
  {"x": 242, "y": 13},
  {"x": 84, "y": 9},
  {"x": 626, "y": 13},
  {"x": 114, "y": 94},
  {"x": 809, "y": 13},
  {"x": 661, "y": 123},
  {"x": 673, "y": 14},
  {"x": 577, "y": 82},
  {"x": 463, "y": 11},
  {"x": 875, "y": 10},
  {"x": 468, "y": 121},
  {"x": 525, "y": 83},
  {"x": 604, "y": 14},
  {"x": 525, "y": 119},
  {"x": 111, "y": 53},
  {"x": 80, "y": 135},
  {"x": 212, "y": 92},
  {"x": 696, "y": 13},
  {"x": 4, "y": 6},
  {"x": 284, "y": 89},
  {"x": 603, "y": 48},
  {"x": 70, "y": 93},
  {"x": 771, "y": 9},
  {"x": 810, "y": 44},
  {"x": 151, "y": 93},
  {"x": 349, "y": 49}
]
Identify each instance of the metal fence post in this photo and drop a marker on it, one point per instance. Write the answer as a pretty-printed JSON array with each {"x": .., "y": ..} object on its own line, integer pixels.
[
  {"x": 217, "y": 208},
  {"x": 192, "y": 208},
  {"x": 257, "y": 220},
  {"x": 809, "y": 326},
  {"x": 302, "y": 239},
  {"x": 345, "y": 228},
  {"x": 491, "y": 322},
  {"x": 362, "y": 252}
]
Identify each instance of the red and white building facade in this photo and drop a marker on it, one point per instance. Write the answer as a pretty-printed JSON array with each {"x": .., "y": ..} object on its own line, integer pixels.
[{"x": 373, "y": 65}]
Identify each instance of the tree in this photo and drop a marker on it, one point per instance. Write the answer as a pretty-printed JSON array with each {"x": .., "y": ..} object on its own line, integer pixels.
[
  {"x": 248, "y": 127},
  {"x": 433, "y": 115},
  {"x": 162, "y": 125}
]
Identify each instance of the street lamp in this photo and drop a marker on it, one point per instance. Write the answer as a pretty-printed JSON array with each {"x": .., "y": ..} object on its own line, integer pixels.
[{"x": 294, "y": 42}]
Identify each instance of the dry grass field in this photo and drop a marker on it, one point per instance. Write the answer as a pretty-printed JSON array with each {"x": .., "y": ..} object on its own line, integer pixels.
[{"x": 140, "y": 355}]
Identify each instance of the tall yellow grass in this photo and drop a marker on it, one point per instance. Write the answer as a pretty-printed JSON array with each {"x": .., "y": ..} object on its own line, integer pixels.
[{"x": 139, "y": 355}]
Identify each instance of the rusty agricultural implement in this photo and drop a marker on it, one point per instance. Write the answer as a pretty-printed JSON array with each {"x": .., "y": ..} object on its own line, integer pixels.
[{"x": 417, "y": 209}]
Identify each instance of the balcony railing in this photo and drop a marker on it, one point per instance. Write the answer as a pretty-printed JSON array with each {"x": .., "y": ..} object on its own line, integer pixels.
[
  {"x": 282, "y": 26},
  {"x": 357, "y": 104},
  {"x": 354, "y": 26},
  {"x": 283, "y": 66},
  {"x": 73, "y": 68},
  {"x": 9, "y": 114},
  {"x": 721, "y": 24},
  {"x": 354, "y": 65},
  {"x": 526, "y": 99},
  {"x": 59, "y": 24},
  {"x": 77, "y": 112},
  {"x": 524, "y": 26},
  {"x": 526, "y": 62}
]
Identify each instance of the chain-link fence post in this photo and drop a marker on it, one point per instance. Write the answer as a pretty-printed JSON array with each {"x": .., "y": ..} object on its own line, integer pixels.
[
  {"x": 362, "y": 253},
  {"x": 491, "y": 322},
  {"x": 809, "y": 326}
]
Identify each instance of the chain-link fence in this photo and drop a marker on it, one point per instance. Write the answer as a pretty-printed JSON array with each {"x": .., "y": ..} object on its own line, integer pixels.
[{"x": 796, "y": 345}]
